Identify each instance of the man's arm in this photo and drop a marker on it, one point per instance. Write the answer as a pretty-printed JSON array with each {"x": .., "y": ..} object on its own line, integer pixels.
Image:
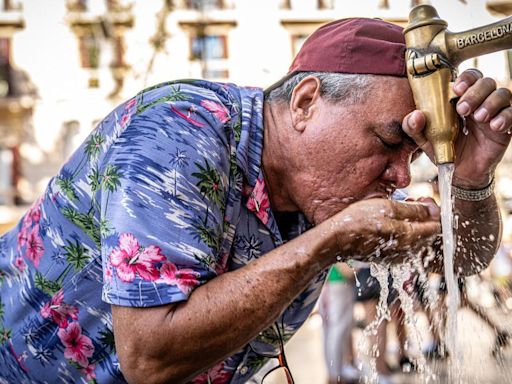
[
  {"x": 173, "y": 343},
  {"x": 478, "y": 234}
]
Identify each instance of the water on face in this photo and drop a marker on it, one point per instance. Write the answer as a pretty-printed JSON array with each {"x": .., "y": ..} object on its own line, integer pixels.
[{"x": 445, "y": 186}]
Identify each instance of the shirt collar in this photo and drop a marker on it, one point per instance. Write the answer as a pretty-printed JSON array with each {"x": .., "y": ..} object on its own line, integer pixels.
[{"x": 248, "y": 155}]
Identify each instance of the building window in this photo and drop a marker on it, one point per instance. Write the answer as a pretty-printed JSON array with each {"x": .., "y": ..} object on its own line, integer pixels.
[
  {"x": 77, "y": 5},
  {"x": 297, "y": 41},
  {"x": 325, "y": 4},
  {"x": 118, "y": 52},
  {"x": 89, "y": 51},
  {"x": 384, "y": 4},
  {"x": 285, "y": 4},
  {"x": 209, "y": 47},
  {"x": 5, "y": 48},
  {"x": 204, "y": 5}
]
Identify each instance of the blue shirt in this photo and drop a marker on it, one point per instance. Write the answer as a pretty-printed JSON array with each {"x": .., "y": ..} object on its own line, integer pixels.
[{"x": 164, "y": 195}]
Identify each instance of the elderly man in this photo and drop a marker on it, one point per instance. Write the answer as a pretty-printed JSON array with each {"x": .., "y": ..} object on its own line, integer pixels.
[{"x": 178, "y": 229}]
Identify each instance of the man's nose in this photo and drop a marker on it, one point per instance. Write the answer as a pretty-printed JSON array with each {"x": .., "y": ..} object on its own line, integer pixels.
[{"x": 398, "y": 172}]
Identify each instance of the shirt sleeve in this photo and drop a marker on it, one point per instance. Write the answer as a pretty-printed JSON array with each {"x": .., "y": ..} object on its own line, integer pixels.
[{"x": 165, "y": 183}]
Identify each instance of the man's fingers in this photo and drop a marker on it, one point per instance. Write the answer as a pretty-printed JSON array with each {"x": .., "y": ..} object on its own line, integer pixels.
[
  {"x": 475, "y": 96},
  {"x": 414, "y": 125},
  {"x": 424, "y": 211},
  {"x": 493, "y": 105},
  {"x": 414, "y": 230},
  {"x": 503, "y": 121},
  {"x": 465, "y": 80}
]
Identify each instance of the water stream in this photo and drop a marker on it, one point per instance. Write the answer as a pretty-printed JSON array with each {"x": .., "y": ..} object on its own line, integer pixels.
[{"x": 445, "y": 190}]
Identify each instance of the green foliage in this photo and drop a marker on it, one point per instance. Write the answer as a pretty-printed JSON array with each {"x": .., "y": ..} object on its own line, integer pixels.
[
  {"x": 5, "y": 333},
  {"x": 76, "y": 255},
  {"x": 237, "y": 129},
  {"x": 175, "y": 95},
  {"x": 210, "y": 184},
  {"x": 95, "y": 179},
  {"x": 208, "y": 235},
  {"x": 84, "y": 221},
  {"x": 104, "y": 228},
  {"x": 207, "y": 261},
  {"x": 47, "y": 286},
  {"x": 111, "y": 178},
  {"x": 66, "y": 185},
  {"x": 107, "y": 339},
  {"x": 93, "y": 145}
]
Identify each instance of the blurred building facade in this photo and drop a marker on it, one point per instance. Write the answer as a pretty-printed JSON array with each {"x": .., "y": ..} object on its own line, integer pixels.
[{"x": 65, "y": 64}]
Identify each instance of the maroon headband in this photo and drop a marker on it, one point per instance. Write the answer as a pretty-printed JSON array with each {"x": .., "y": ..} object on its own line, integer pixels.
[{"x": 357, "y": 45}]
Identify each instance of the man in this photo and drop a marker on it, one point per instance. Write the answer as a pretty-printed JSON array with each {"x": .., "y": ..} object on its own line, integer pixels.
[
  {"x": 337, "y": 309},
  {"x": 181, "y": 208}
]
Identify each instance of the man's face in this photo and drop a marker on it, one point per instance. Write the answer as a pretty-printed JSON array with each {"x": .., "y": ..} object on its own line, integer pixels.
[{"x": 355, "y": 152}]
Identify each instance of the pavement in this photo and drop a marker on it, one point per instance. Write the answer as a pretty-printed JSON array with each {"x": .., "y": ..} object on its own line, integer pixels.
[{"x": 475, "y": 340}]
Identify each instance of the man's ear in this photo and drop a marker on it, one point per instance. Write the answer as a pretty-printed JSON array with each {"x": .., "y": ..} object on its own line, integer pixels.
[{"x": 303, "y": 101}]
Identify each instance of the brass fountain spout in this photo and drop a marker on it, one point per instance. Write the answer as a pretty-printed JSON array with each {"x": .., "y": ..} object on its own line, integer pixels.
[{"x": 432, "y": 56}]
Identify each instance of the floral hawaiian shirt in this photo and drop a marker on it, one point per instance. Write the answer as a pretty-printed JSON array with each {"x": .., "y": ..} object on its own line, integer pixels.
[{"x": 164, "y": 195}]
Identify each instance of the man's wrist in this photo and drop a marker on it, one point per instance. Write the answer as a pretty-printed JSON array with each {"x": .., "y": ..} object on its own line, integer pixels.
[
  {"x": 473, "y": 183},
  {"x": 472, "y": 194}
]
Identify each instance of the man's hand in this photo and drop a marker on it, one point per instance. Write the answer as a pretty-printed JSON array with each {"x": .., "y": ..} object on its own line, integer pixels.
[
  {"x": 389, "y": 229},
  {"x": 488, "y": 115}
]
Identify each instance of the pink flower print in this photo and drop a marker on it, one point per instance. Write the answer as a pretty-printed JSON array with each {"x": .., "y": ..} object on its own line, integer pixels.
[
  {"x": 78, "y": 347},
  {"x": 258, "y": 201},
  {"x": 89, "y": 371},
  {"x": 187, "y": 117},
  {"x": 33, "y": 215},
  {"x": 215, "y": 375},
  {"x": 124, "y": 120},
  {"x": 20, "y": 263},
  {"x": 218, "y": 110},
  {"x": 222, "y": 266},
  {"x": 131, "y": 259},
  {"x": 22, "y": 237},
  {"x": 108, "y": 274},
  {"x": 35, "y": 246},
  {"x": 130, "y": 104},
  {"x": 59, "y": 312},
  {"x": 186, "y": 279}
]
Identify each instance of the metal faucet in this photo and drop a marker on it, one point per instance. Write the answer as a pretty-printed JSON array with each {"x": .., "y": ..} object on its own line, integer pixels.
[{"x": 433, "y": 54}]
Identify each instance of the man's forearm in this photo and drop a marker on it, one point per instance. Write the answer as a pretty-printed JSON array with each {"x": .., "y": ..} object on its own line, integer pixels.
[
  {"x": 478, "y": 233},
  {"x": 219, "y": 317}
]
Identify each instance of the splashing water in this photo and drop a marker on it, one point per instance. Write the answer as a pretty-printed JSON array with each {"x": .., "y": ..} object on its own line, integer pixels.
[
  {"x": 402, "y": 273},
  {"x": 381, "y": 273},
  {"x": 445, "y": 189}
]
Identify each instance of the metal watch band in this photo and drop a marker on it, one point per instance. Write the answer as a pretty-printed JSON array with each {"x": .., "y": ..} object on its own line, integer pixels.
[{"x": 473, "y": 194}]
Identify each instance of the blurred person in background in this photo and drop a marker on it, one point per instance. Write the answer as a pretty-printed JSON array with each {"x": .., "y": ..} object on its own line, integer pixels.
[
  {"x": 337, "y": 311},
  {"x": 158, "y": 252}
]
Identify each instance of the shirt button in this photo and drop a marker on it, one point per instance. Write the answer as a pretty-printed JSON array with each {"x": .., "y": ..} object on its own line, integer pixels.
[{"x": 244, "y": 370}]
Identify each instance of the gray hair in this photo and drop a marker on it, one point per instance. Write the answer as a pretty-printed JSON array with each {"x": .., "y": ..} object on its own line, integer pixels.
[{"x": 335, "y": 87}]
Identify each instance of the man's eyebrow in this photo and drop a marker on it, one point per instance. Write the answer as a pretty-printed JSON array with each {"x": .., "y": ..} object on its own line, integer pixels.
[{"x": 395, "y": 128}]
